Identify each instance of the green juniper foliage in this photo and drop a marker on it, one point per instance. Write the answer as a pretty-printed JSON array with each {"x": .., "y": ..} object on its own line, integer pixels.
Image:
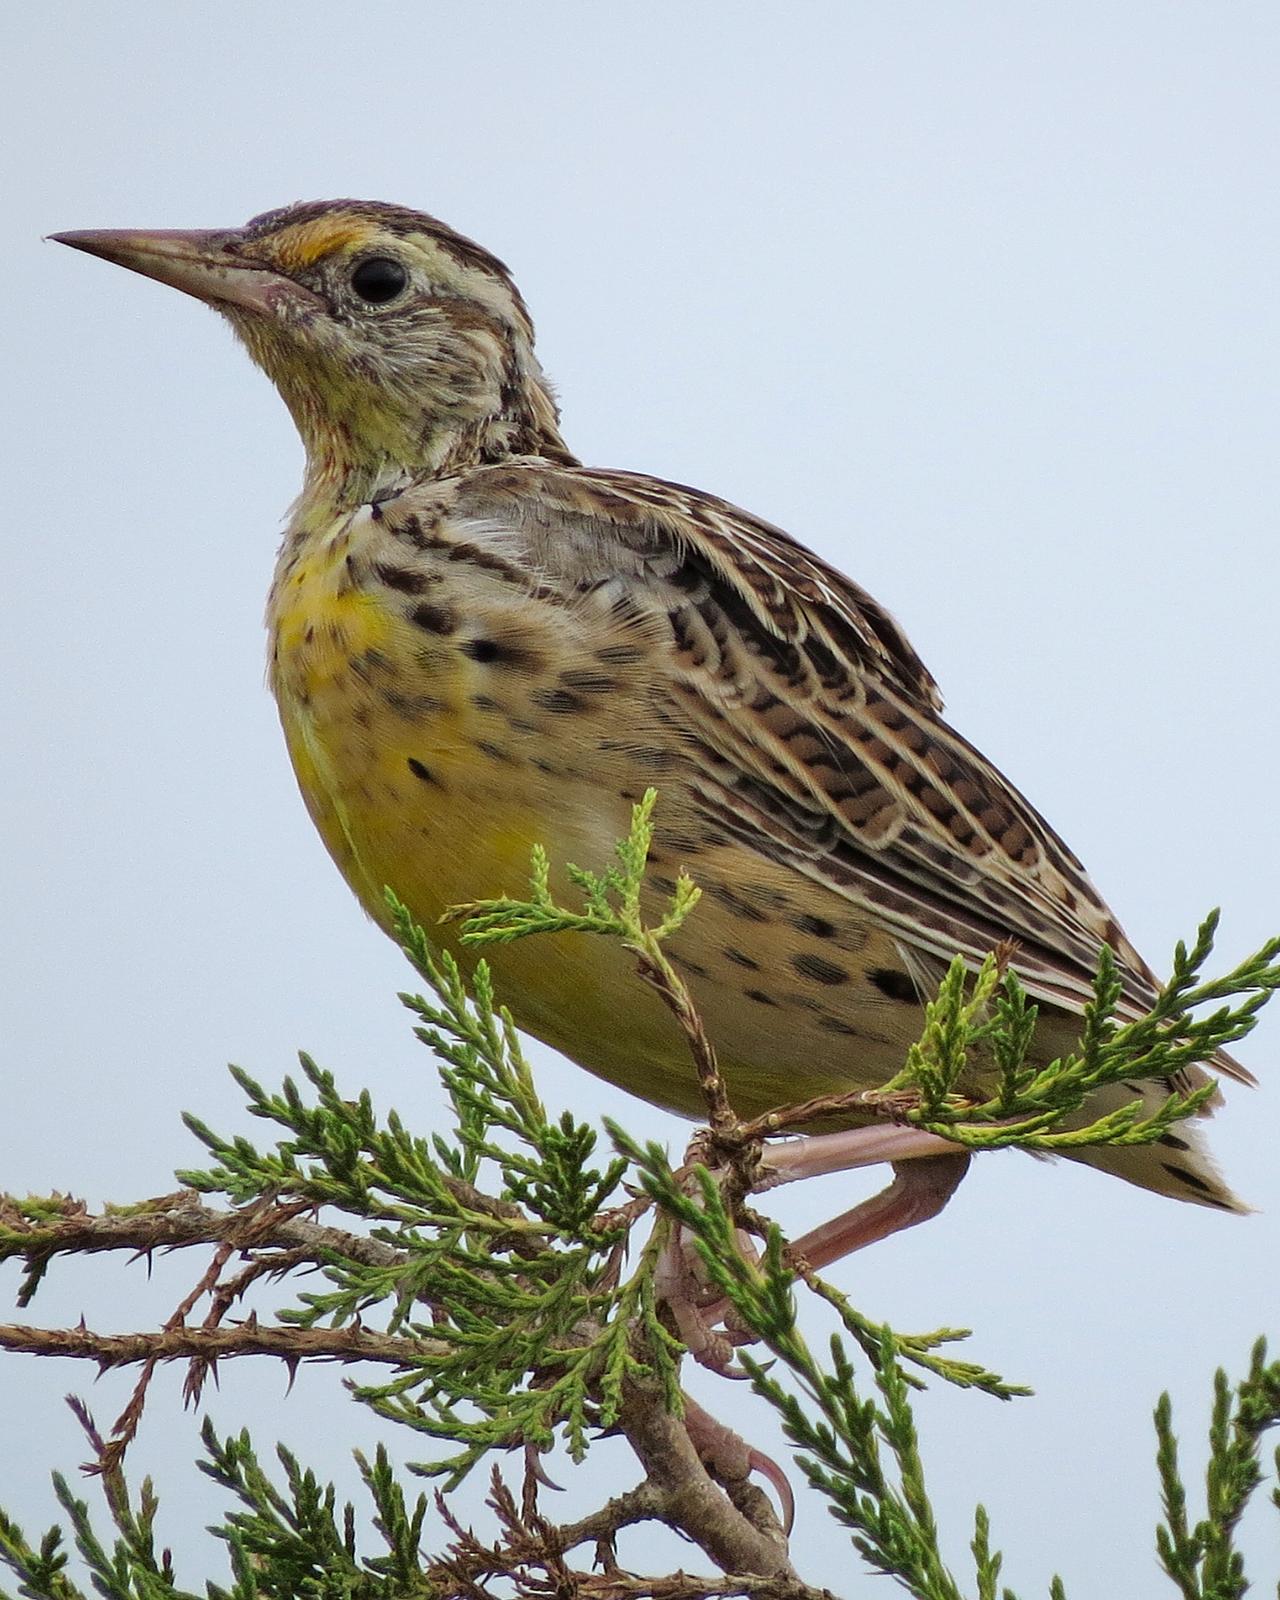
[
  {"x": 1203, "y": 1560},
  {"x": 505, "y": 1276},
  {"x": 1031, "y": 1104},
  {"x": 488, "y": 1296}
]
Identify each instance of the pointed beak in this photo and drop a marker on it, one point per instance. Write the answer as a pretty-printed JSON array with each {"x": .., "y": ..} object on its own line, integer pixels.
[{"x": 205, "y": 264}]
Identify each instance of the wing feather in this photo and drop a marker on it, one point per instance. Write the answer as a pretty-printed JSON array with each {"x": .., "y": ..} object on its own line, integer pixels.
[{"x": 813, "y": 729}]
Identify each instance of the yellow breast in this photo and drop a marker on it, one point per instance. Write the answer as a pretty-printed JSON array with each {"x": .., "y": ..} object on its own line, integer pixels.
[
  {"x": 442, "y": 722},
  {"x": 418, "y": 779},
  {"x": 385, "y": 740}
]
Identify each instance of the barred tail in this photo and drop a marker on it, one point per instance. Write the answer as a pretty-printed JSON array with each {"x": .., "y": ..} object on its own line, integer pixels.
[{"x": 1178, "y": 1164}]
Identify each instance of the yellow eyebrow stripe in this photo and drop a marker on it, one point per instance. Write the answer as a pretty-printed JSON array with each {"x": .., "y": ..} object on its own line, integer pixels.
[{"x": 307, "y": 243}]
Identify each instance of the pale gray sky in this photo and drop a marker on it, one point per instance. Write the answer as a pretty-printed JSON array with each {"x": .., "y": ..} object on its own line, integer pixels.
[{"x": 978, "y": 300}]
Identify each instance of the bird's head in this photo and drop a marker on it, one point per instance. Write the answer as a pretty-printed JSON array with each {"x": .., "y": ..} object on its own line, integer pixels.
[{"x": 396, "y": 343}]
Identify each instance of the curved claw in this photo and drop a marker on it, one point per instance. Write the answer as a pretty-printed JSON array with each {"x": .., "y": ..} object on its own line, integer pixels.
[
  {"x": 768, "y": 1468},
  {"x": 731, "y": 1458},
  {"x": 534, "y": 1468}
]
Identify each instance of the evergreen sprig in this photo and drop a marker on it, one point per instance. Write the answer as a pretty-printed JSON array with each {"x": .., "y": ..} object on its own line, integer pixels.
[
  {"x": 762, "y": 1291},
  {"x": 529, "y": 1333},
  {"x": 611, "y": 899},
  {"x": 289, "y": 1538},
  {"x": 1202, "y": 1559},
  {"x": 989, "y": 1018}
]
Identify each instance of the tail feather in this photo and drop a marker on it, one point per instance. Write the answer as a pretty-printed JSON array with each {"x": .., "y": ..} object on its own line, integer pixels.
[{"x": 1178, "y": 1164}]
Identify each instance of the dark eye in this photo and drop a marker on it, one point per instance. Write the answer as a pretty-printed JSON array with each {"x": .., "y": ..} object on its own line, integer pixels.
[{"x": 379, "y": 279}]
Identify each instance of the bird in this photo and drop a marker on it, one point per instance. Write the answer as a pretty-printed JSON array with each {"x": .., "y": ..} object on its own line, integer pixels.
[{"x": 478, "y": 644}]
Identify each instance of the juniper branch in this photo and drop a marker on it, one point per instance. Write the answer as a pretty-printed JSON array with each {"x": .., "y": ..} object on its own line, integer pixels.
[{"x": 290, "y": 1345}]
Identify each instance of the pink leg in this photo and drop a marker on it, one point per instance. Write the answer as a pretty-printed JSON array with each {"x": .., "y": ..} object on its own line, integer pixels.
[
  {"x": 926, "y": 1173},
  {"x": 818, "y": 1153},
  {"x": 919, "y": 1190}
]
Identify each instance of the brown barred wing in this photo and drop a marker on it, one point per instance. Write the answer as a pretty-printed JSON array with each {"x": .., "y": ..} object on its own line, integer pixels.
[{"x": 810, "y": 728}]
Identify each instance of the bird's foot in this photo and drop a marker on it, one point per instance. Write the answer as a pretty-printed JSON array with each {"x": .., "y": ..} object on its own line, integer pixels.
[
  {"x": 731, "y": 1460},
  {"x": 680, "y": 1282},
  {"x": 919, "y": 1190}
]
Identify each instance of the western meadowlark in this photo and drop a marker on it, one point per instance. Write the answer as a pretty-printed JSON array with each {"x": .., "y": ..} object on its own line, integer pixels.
[{"x": 478, "y": 644}]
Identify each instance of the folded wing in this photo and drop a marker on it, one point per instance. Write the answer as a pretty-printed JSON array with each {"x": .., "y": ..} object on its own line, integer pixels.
[{"x": 813, "y": 731}]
